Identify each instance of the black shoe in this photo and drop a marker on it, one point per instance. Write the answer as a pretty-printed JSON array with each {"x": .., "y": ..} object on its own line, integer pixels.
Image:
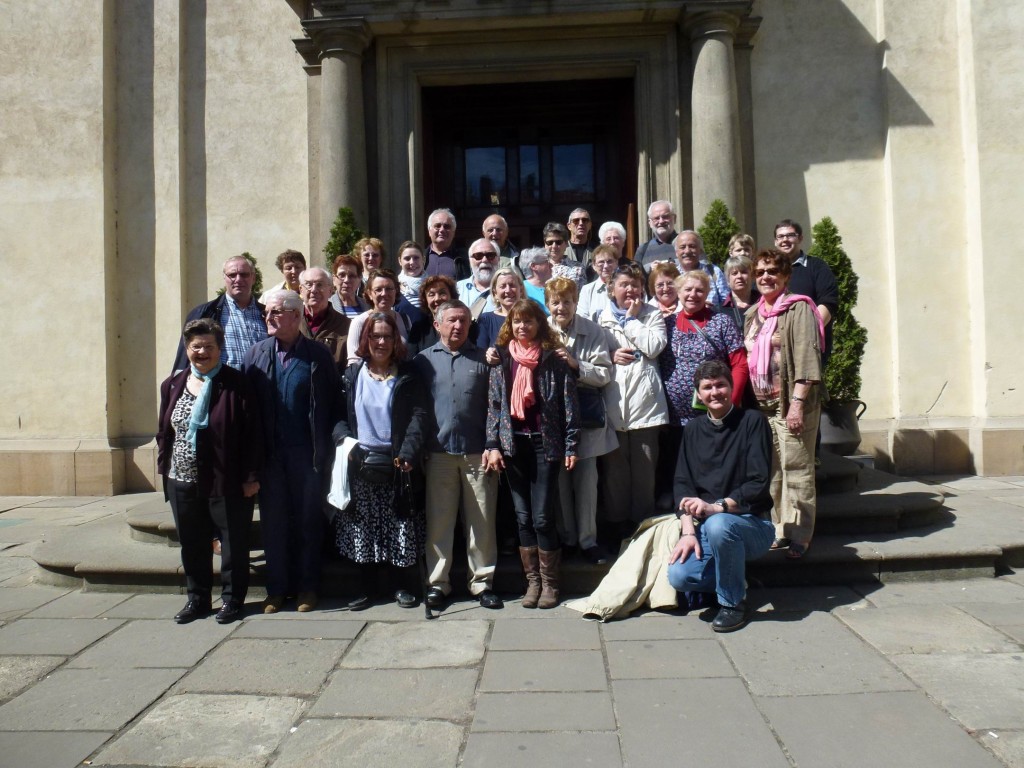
[
  {"x": 490, "y": 600},
  {"x": 229, "y": 611},
  {"x": 406, "y": 599},
  {"x": 360, "y": 603},
  {"x": 729, "y": 619},
  {"x": 435, "y": 597},
  {"x": 194, "y": 609},
  {"x": 595, "y": 555}
]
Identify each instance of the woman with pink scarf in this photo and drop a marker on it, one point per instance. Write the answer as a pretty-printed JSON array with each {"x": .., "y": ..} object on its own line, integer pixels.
[
  {"x": 533, "y": 426},
  {"x": 784, "y": 336}
]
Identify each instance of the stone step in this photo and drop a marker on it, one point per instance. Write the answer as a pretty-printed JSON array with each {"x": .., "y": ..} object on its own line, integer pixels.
[{"x": 981, "y": 540}]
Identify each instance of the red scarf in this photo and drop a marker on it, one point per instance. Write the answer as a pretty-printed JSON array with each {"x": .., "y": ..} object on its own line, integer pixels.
[{"x": 522, "y": 395}]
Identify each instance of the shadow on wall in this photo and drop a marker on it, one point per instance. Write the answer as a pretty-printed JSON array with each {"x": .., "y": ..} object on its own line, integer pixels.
[{"x": 821, "y": 94}]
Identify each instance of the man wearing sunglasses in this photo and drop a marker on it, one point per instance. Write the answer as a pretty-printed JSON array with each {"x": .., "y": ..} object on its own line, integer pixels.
[
  {"x": 580, "y": 244},
  {"x": 475, "y": 290}
]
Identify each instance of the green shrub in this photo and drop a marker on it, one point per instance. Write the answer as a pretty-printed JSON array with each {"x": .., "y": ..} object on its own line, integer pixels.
[
  {"x": 842, "y": 379},
  {"x": 345, "y": 233},
  {"x": 718, "y": 228}
]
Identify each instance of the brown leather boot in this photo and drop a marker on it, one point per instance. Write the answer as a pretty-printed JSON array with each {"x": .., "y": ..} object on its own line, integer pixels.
[
  {"x": 531, "y": 567},
  {"x": 550, "y": 564}
]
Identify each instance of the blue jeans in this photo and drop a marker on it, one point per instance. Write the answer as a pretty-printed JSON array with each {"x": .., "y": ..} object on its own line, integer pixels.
[
  {"x": 727, "y": 541},
  {"x": 534, "y": 483}
]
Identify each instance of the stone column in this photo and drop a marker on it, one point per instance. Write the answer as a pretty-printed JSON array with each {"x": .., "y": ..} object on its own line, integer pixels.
[
  {"x": 342, "y": 159},
  {"x": 717, "y": 162}
]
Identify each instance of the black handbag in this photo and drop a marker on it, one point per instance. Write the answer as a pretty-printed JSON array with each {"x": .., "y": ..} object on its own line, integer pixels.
[
  {"x": 375, "y": 467},
  {"x": 408, "y": 496},
  {"x": 592, "y": 408}
]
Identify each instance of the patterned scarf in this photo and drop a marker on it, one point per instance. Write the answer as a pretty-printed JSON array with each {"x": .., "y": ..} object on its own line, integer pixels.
[
  {"x": 523, "y": 396},
  {"x": 760, "y": 360}
]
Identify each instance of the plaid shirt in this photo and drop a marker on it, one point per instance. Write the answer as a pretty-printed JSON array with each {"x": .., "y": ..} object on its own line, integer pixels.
[{"x": 242, "y": 329}]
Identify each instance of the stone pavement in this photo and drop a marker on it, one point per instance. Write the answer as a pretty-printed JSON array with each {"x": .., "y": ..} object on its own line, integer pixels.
[{"x": 905, "y": 674}]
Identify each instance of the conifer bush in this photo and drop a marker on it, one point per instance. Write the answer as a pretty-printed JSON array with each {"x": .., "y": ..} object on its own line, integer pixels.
[
  {"x": 344, "y": 235},
  {"x": 718, "y": 228}
]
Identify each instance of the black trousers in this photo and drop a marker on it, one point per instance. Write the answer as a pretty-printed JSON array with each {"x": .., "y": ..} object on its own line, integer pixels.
[{"x": 197, "y": 519}]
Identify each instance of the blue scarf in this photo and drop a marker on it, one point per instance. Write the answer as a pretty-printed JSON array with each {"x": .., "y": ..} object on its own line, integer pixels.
[
  {"x": 200, "y": 418},
  {"x": 619, "y": 314}
]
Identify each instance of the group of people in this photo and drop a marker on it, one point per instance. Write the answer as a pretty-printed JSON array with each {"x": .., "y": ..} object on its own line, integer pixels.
[{"x": 570, "y": 369}]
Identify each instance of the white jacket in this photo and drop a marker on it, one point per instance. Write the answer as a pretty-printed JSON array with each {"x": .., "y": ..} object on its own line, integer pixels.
[{"x": 635, "y": 397}]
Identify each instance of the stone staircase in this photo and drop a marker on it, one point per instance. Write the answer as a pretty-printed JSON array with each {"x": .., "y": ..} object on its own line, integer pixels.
[{"x": 871, "y": 527}]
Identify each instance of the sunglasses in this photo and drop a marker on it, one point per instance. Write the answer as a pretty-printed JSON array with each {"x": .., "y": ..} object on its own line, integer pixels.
[
  {"x": 553, "y": 242},
  {"x": 772, "y": 271}
]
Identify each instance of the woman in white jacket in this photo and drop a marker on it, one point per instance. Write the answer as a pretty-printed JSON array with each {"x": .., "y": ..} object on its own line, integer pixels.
[{"x": 635, "y": 400}]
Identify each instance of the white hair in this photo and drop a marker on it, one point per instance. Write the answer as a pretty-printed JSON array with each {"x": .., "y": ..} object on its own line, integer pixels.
[
  {"x": 446, "y": 211},
  {"x": 611, "y": 225},
  {"x": 530, "y": 256},
  {"x": 491, "y": 244},
  {"x": 311, "y": 274},
  {"x": 289, "y": 299},
  {"x": 650, "y": 208}
]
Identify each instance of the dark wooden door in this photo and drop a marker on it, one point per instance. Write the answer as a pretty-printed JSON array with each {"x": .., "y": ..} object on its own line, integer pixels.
[{"x": 530, "y": 151}]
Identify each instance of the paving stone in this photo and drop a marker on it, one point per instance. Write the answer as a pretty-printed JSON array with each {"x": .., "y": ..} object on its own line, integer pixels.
[
  {"x": 996, "y": 614},
  {"x": 79, "y": 605},
  {"x": 47, "y": 749},
  {"x": 270, "y": 667},
  {"x": 542, "y": 750},
  {"x": 898, "y": 729},
  {"x": 667, "y": 658},
  {"x": 544, "y": 671},
  {"x": 801, "y": 599},
  {"x": 11, "y": 567},
  {"x": 1008, "y": 746},
  {"x": 418, "y": 645},
  {"x": 554, "y": 635},
  {"x": 1015, "y": 631},
  {"x": 190, "y": 730},
  {"x": 817, "y": 654},
  {"x": 61, "y": 502},
  {"x": 17, "y": 601},
  {"x": 371, "y": 744},
  {"x": 544, "y": 712},
  {"x": 87, "y": 699},
  {"x": 147, "y": 607},
  {"x": 924, "y": 629},
  {"x": 146, "y": 643},
  {"x": 657, "y": 627},
  {"x": 966, "y": 686},
  {"x": 17, "y": 672},
  {"x": 13, "y": 502},
  {"x": 325, "y": 629},
  {"x": 54, "y": 637},
  {"x": 660, "y": 721},
  {"x": 445, "y": 694},
  {"x": 960, "y": 591}
]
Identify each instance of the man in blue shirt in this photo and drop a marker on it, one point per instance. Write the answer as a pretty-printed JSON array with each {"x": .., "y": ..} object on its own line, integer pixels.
[
  {"x": 475, "y": 290},
  {"x": 458, "y": 375}
]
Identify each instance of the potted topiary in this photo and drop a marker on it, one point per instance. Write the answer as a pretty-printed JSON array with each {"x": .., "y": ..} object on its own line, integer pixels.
[
  {"x": 344, "y": 234},
  {"x": 840, "y": 432},
  {"x": 718, "y": 228}
]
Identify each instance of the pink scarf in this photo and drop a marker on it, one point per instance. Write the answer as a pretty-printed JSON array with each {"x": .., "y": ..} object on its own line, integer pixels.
[
  {"x": 523, "y": 396},
  {"x": 760, "y": 360}
]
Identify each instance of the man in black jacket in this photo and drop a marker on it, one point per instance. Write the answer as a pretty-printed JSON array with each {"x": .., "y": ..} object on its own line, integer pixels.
[{"x": 722, "y": 494}]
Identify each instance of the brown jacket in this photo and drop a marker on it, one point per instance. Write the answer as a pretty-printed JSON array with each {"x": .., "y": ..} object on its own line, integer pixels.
[{"x": 333, "y": 332}]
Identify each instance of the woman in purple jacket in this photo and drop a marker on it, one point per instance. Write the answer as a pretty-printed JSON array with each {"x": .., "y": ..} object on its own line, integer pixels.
[{"x": 210, "y": 454}]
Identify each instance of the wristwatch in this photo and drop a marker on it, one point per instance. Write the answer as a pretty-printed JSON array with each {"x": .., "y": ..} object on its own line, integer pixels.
[{"x": 721, "y": 502}]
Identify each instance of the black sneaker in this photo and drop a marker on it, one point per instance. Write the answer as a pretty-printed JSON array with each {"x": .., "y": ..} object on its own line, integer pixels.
[
  {"x": 194, "y": 609},
  {"x": 730, "y": 618}
]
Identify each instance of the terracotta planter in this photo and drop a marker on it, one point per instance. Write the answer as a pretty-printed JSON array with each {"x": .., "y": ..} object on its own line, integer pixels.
[{"x": 840, "y": 432}]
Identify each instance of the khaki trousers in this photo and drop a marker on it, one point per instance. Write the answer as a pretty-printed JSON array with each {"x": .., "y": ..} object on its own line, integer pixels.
[
  {"x": 452, "y": 479},
  {"x": 792, "y": 485}
]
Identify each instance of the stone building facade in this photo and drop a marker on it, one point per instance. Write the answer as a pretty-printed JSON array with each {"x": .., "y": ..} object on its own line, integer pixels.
[{"x": 144, "y": 143}]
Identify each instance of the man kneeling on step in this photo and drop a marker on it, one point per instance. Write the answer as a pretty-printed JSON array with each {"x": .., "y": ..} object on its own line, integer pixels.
[{"x": 722, "y": 494}]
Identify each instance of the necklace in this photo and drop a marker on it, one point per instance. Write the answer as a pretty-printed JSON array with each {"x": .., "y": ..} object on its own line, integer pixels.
[{"x": 389, "y": 373}]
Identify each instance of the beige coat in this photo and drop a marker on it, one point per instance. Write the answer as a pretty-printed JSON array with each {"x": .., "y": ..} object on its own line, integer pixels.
[
  {"x": 639, "y": 576},
  {"x": 589, "y": 345},
  {"x": 636, "y": 397}
]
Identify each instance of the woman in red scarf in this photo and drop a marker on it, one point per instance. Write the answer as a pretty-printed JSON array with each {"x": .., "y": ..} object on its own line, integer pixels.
[
  {"x": 784, "y": 336},
  {"x": 533, "y": 426}
]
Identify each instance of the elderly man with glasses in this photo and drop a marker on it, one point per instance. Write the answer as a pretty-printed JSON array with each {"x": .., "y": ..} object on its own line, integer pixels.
[
  {"x": 662, "y": 220},
  {"x": 580, "y": 246},
  {"x": 475, "y": 290},
  {"x": 320, "y": 320},
  {"x": 442, "y": 256}
]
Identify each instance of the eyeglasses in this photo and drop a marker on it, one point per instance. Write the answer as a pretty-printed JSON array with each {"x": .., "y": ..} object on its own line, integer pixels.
[
  {"x": 201, "y": 347},
  {"x": 772, "y": 271},
  {"x": 484, "y": 255},
  {"x": 787, "y": 236},
  {"x": 233, "y": 275},
  {"x": 554, "y": 242},
  {"x": 381, "y": 337},
  {"x": 317, "y": 286},
  {"x": 278, "y": 312},
  {"x": 441, "y": 226},
  {"x": 579, "y": 220}
]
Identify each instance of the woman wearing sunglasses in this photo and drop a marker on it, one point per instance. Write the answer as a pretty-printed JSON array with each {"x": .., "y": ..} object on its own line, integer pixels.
[{"x": 784, "y": 336}]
